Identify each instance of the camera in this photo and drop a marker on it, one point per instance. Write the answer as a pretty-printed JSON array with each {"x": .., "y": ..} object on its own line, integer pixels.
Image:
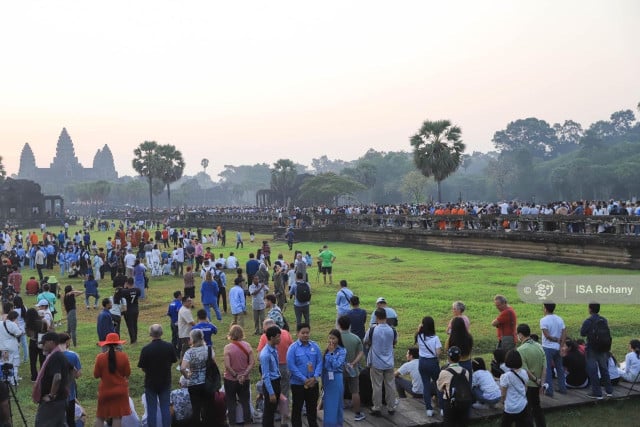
[{"x": 7, "y": 370}]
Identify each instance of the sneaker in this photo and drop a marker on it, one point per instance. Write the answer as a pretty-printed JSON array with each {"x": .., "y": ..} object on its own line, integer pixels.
[
  {"x": 593, "y": 396},
  {"x": 429, "y": 412},
  {"x": 479, "y": 405},
  {"x": 442, "y": 412},
  {"x": 608, "y": 394},
  {"x": 359, "y": 416}
]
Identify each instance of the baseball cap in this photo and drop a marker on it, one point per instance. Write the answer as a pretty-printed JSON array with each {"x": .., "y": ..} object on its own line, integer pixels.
[
  {"x": 379, "y": 300},
  {"x": 42, "y": 302}
]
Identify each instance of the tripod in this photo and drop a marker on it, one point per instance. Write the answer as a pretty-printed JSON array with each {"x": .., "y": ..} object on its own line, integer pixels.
[{"x": 12, "y": 390}]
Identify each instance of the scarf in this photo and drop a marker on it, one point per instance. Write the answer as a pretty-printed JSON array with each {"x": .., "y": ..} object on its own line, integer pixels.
[{"x": 36, "y": 393}]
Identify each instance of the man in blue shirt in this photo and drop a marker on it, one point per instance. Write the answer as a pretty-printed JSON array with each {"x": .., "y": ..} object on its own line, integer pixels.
[
  {"x": 105, "y": 324},
  {"x": 300, "y": 308},
  {"x": 304, "y": 360},
  {"x": 222, "y": 285},
  {"x": 172, "y": 312},
  {"x": 270, "y": 375},
  {"x": 252, "y": 267},
  {"x": 238, "y": 302},
  {"x": 343, "y": 299},
  {"x": 205, "y": 326}
]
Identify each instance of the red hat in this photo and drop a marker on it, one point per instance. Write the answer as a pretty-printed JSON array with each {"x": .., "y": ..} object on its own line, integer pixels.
[{"x": 112, "y": 338}]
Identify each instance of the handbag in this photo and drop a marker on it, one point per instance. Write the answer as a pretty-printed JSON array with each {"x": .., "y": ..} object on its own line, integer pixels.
[
  {"x": 17, "y": 337},
  {"x": 213, "y": 379}
]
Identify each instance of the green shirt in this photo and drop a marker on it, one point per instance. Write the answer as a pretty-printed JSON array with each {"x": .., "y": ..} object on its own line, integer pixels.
[
  {"x": 353, "y": 344},
  {"x": 533, "y": 359},
  {"x": 327, "y": 258}
]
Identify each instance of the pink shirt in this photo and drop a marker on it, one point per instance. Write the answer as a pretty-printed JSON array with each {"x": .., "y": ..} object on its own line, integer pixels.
[{"x": 239, "y": 361}]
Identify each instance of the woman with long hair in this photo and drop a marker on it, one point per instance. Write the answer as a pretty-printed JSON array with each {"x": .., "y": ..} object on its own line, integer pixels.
[
  {"x": 194, "y": 369},
  {"x": 69, "y": 302},
  {"x": 113, "y": 369},
  {"x": 139, "y": 270},
  {"x": 461, "y": 338},
  {"x": 34, "y": 325},
  {"x": 238, "y": 363},
  {"x": 334, "y": 359},
  {"x": 632, "y": 362},
  {"x": 429, "y": 348},
  {"x": 18, "y": 306}
]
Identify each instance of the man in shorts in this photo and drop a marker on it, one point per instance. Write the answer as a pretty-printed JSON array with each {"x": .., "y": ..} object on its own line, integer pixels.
[{"x": 327, "y": 258}]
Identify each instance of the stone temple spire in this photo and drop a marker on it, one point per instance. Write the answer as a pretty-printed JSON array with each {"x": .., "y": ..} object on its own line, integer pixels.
[
  {"x": 27, "y": 162},
  {"x": 104, "y": 165},
  {"x": 65, "y": 153}
]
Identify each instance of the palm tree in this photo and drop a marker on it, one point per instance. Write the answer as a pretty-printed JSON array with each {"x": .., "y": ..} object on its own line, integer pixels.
[
  {"x": 147, "y": 164},
  {"x": 283, "y": 177},
  {"x": 437, "y": 150},
  {"x": 205, "y": 164},
  {"x": 172, "y": 165}
]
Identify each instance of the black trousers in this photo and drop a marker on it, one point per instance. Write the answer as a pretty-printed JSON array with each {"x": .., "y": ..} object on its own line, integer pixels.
[
  {"x": 533, "y": 402},
  {"x": 222, "y": 294},
  {"x": 131, "y": 318},
  {"x": 308, "y": 396},
  {"x": 270, "y": 408}
]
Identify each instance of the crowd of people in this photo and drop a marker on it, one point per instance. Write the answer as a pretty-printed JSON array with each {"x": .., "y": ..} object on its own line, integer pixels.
[{"x": 359, "y": 355}]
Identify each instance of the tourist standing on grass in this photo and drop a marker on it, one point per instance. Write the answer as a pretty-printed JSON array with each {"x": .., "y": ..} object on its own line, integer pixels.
[
  {"x": 113, "y": 369},
  {"x": 304, "y": 360},
  {"x": 535, "y": 363},
  {"x": 270, "y": 375},
  {"x": 381, "y": 340},
  {"x": 156, "y": 359},
  {"x": 131, "y": 295},
  {"x": 104, "y": 322},
  {"x": 91, "y": 290},
  {"x": 429, "y": 349},
  {"x": 554, "y": 335},
  {"x": 69, "y": 302},
  {"x": 208, "y": 329},
  {"x": 505, "y": 324},
  {"x": 237, "y": 302},
  {"x": 220, "y": 276},
  {"x": 238, "y": 363},
  {"x": 332, "y": 380},
  {"x": 279, "y": 289},
  {"x": 189, "y": 283},
  {"x": 343, "y": 299},
  {"x": 185, "y": 322},
  {"x": 194, "y": 369},
  {"x": 34, "y": 325},
  {"x": 139, "y": 271},
  {"x": 172, "y": 312},
  {"x": 49, "y": 388},
  {"x": 209, "y": 295},
  {"x": 258, "y": 291},
  {"x": 301, "y": 291},
  {"x": 597, "y": 356},
  {"x": 327, "y": 258}
]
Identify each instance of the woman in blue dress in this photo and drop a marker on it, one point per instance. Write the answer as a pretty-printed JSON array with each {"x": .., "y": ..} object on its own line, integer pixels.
[
  {"x": 209, "y": 291},
  {"x": 139, "y": 270},
  {"x": 334, "y": 359}
]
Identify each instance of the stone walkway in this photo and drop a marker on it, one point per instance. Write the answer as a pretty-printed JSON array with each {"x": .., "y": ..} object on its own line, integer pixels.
[{"x": 411, "y": 413}]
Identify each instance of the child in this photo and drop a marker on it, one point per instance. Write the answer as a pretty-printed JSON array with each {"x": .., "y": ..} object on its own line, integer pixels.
[
  {"x": 484, "y": 387},
  {"x": 629, "y": 372}
]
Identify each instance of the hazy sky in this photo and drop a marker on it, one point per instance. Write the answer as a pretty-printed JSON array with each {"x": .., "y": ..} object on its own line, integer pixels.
[{"x": 242, "y": 82}]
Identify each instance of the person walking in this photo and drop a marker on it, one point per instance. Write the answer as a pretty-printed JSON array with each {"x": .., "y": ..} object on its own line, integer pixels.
[
  {"x": 131, "y": 295},
  {"x": 155, "y": 360},
  {"x": 327, "y": 258},
  {"x": 113, "y": 369}
]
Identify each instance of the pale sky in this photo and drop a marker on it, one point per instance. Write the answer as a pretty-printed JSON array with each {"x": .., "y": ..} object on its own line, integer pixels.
[{"x": 243, "y": 82}]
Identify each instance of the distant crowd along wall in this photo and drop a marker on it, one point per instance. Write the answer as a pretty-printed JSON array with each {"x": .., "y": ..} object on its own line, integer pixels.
[{"x": 556, "y": 238}]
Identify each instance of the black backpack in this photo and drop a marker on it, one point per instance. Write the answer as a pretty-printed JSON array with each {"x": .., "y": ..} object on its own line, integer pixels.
[
  {"x": 303, "y": 292},
  {"x": 459, "y": 393},
  {"x": 600, "y": 336}
]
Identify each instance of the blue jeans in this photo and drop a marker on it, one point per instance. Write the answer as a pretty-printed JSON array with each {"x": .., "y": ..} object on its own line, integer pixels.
[
  {"x": 429, "y": 370},
  {"x": 477, "y": 393},
  {"x": 553, "y": 355},
  {"x": 207, "y": 308},
  {"x": 154, "y": 397},
  {"x": 597, "y": 361}
]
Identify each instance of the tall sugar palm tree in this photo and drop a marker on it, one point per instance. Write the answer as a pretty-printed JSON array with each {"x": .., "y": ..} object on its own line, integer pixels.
[{"x": 437, "y": 150}]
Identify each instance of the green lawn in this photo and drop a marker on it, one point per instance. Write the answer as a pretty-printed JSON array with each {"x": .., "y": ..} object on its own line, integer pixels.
[{"x": 415, "y": 283}]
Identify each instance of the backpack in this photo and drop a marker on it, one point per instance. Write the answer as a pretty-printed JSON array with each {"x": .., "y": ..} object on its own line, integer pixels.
[
  {"x": 216, "y": 277},
  {"x": 303, "y": 292},
  {"x": 599, "y": 337},
  {"x": 459, "y": 393}
]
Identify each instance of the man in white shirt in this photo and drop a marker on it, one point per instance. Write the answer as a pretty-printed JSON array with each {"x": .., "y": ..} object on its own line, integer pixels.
[
  {"x": 129, "y": 262},
  {"x": 410, "y": 367},
  {"x": 232, "y": 262},
  {"x": 185, "y": 322},
  {"x": 554, "y": 334}
]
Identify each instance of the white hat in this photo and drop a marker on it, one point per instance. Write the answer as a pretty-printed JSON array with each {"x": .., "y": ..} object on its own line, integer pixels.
[
  {"x": 379, "y": 300},
  {"x": 42, "y": 302}
]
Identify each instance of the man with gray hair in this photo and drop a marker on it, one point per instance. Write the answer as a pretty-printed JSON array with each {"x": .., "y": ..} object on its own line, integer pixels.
[{"x": 156, "y": 359}]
